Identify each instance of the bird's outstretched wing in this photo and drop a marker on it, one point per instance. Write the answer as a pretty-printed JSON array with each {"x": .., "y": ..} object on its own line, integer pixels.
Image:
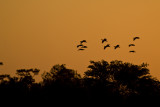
[
  {"x": 117, "y": 46},
  {"x": 79, "y": 45},
  {"x": 84, "y": 47},
  {"x": 81, "y": 49},
  {"x": 1, "y": 63},
  {"x": 104, "y": 40},
  {"x": 136, "y": 38},
  {"x": 83, "y": 41},
  {"x": 132, "y": 51},
  {"x": 108, "y": 45},
  {"x": 131, "y": 45}
]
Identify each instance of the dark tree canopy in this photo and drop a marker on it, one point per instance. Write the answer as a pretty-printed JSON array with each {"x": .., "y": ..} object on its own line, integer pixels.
[
  {"x": 123, "y": 79},
  {"x": 26, "y": 75},
  {"x": 59, "y": 73},
  {"x": 117, "y": 72},
  {"x": 104, "y": 83}
]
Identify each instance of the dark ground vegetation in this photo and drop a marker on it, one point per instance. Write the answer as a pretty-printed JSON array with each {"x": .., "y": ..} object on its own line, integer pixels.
[{"x": 105, "y": 83}]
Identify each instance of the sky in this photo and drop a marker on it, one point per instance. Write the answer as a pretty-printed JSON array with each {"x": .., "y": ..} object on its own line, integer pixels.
[{"x": 42, "y": 33}]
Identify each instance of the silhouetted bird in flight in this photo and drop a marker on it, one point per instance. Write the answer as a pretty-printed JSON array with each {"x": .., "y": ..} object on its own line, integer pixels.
[
  {"x": 131, "y": 45},
  {"x": 136, "y": 38},
  {"x": 83, "y": 41},
  {"x": 84, "y": 46},
  {"x": 108, "y": 45},
  {"x": 81, "y": 49},
  {"x": 103, "y": 40},
  {"x": 79, "y": 45},
  {"x": 1, "y": 63},
  {"x": 117, "y": 46},
  {"x": 132, "y": 51}
]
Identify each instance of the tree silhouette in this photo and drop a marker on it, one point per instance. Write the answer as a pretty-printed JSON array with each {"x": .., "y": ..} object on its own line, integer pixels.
[
  {"x": 4, "y": 78},
  {"x": 26, "y": 75},
  {"x": 121, "y": 80},
  {"x": 59, "y": 73},
  {"x": 62, "y": 83},
  {"x": 100, "y": 82},
  {"x": 104, "y": 83}
]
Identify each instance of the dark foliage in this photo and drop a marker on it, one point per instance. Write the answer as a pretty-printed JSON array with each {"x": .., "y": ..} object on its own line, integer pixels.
[{"x": 104, "y": 83}]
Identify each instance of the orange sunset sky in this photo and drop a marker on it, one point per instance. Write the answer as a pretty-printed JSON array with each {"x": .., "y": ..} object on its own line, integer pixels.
[{"x": 42, "y": 33}]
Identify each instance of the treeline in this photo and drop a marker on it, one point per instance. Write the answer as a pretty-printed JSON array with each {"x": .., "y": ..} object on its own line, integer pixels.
[{"x": 104, "y": 83}]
